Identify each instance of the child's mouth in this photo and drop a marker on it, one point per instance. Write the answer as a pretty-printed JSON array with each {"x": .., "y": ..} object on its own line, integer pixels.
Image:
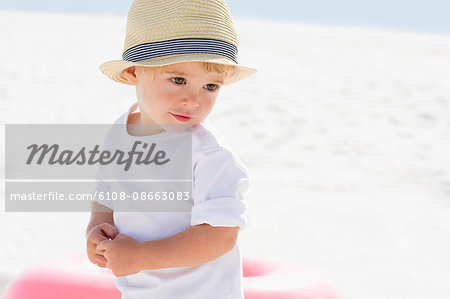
[{"x": 180, "y": 117}]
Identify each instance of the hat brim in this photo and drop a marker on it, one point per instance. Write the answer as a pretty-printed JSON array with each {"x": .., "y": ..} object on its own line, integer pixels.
[{"x": 114, "y": 69}]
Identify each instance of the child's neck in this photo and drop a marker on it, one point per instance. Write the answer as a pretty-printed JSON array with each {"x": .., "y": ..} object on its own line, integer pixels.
[{"x": 137, "y": 128}]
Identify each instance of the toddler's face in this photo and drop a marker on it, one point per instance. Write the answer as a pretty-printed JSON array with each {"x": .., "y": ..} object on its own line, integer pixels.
[{"x": 182, "y": 93}]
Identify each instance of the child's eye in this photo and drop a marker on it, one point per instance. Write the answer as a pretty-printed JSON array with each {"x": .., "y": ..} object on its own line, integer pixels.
[
  {"x": 178, "y": 80},
  {"x": 211, "y": 87}
]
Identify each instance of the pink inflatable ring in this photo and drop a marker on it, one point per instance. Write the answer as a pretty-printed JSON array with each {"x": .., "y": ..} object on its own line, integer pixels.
[{"x": 75, "y": 277}]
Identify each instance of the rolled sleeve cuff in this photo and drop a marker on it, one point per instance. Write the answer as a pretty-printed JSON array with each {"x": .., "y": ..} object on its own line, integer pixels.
[{"x": 228, "y": 212}]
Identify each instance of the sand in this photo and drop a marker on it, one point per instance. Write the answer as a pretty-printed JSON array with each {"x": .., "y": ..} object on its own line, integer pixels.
[{"x": 345, "y": 132}]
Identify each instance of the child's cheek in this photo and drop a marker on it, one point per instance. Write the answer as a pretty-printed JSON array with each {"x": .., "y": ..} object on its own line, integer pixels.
[
  {"x": 173, "y": 93},
  {"x": 209, "y": 102}
]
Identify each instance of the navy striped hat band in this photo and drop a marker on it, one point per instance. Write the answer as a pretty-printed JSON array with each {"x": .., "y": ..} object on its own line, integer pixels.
[{"x": 181, "y": 46}]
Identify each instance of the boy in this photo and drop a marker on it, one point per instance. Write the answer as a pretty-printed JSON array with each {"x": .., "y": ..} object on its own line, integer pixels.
[{"x": 178, "y": 54}]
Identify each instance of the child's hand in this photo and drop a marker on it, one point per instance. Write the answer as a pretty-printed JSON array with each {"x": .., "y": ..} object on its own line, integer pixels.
[
  {"x": 122, "y": 254},
  {"x": 98, "y": 233}
]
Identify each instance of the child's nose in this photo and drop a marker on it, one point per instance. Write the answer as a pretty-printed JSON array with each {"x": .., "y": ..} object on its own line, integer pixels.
[{"x": 190, "y": 100}]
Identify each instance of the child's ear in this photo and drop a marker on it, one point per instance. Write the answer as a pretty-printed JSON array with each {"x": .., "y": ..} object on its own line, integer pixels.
[{"x": 130, "y": 75}]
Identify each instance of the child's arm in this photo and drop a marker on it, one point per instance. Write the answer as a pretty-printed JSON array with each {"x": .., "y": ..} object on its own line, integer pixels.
[
  {"x": 195, "y": 245},
  {"x": 101, "y": 227}
]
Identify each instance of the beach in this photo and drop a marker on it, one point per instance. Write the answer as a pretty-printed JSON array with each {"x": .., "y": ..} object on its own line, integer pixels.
[{"x": 344, "y": 131}]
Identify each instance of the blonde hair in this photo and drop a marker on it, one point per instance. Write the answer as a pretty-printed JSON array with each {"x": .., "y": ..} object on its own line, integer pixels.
[
  {"x": 216, "y": 67},
  {"x": 228, "y": 70}
]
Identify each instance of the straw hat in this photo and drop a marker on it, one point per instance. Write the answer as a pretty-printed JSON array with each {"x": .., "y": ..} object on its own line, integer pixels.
[{"x": 166, "y": 32}]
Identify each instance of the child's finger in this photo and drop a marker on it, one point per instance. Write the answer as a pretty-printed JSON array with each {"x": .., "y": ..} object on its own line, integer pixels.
[
  {"x": 98, "y": 251},
  {"x": 97, "y": 237},
  {"x": 100, "y": 260},
  {"x": 109, "y": 230},
  {"x": 103, "y": 245},
  {"x": 92, "y": 250}
]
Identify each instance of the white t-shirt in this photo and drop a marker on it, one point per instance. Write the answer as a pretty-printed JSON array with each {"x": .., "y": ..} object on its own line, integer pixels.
[{"x": 219, "y": 179}]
